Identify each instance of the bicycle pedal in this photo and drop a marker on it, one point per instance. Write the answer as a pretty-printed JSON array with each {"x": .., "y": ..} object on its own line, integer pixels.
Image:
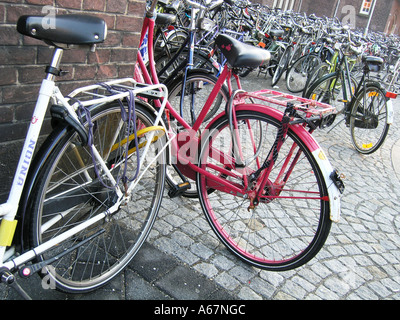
[{"x": 178, "y": 190}]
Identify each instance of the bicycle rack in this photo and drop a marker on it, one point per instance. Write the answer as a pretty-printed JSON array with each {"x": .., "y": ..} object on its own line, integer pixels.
[{"x": 308, "y": 107}]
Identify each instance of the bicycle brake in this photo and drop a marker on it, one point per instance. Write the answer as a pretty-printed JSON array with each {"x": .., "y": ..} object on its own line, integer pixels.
[{"x": 61, "y": 114}]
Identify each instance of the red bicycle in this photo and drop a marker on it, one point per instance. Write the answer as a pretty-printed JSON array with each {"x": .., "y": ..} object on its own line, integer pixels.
[{"x": 266, "y": 187}]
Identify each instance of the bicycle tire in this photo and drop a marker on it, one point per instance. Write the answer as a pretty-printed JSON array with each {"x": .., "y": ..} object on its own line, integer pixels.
[
  {"x": 279, "y": 234},
  {"x": 62, "y": 190},
  {"x": 200, "y": 61},
  {"x": 198, "y": 87},
  {"x": 320, "y": 71},
  {"x": 368, "y": 126},
  {"x": 328, "y": 89},
  {"x": 282, "y": 65},
  {"x": 298, "y": 73}
]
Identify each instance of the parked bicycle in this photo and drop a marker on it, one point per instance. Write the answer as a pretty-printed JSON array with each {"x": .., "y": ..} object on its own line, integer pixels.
[
  {"x": 366, "y": 106},
  {"x": 265, "y": 186},
  {"x": 80, "y": 210}
]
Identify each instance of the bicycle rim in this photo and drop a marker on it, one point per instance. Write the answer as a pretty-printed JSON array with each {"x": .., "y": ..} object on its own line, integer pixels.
[
  {"x": 291, "y": 222},
  {"x": 68, "y": 192},
  {"x": 368, "y": 120}
]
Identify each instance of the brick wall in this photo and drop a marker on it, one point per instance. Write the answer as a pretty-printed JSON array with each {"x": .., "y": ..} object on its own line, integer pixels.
[{"x": 23, "y": 59}]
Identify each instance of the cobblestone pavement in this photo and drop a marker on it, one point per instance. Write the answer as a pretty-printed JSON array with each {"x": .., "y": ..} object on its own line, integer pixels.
[{"x": 360, "y": 260}]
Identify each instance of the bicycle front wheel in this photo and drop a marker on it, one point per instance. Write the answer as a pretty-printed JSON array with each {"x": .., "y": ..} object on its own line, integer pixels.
[
  {"x": 333, "y": 90},
  {"x": 282, "y": 65},
  {"x": 69, "y": 192},
  {"x": 291, "y": 222},
  {"x": 368, "y": 119},
  {"x": 297, "y": 76}
]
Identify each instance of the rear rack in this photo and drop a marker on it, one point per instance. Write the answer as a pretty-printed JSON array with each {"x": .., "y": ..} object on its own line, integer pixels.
[
  {"x": 310, "y": 108},
  {"x": 115, "y": 90}
]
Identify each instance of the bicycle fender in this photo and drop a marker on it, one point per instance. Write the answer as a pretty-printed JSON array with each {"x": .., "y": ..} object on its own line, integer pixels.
[
  {"x": 333, "y": 191},
  {"x": 390, "y": 115}
]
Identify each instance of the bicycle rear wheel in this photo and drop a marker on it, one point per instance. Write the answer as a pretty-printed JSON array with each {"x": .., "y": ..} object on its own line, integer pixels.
[
  {"x": 68, "y": 192},
  {"x": 291, "y": 222},
  {"x": 368, "y": 119}
]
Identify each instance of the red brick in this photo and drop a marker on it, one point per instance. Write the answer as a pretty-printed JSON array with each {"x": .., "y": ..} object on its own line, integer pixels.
[
  {"x": 130, "y": 39},
  {"x": 8, "y": 35},
  {"x": 6, "y": 114},
  {"x": 8, "y": 75},
  {"x": 137, "y": 8},
  {"x": 84, "y": 72},
  {"x": 28, "y": 74},
  {"x": 14, "y": 12},
  {"x": 97, "y": 5},
  {"x": 123, "y": 55},
  {"x": 118, "y": 6},
  {"x": 73, "y": 4},
  {"x": 126, "y": 70},
  {"x": 101, "y": 55},
  {"x": 128, "y": 23},
  {"x": 108, "y": 71},
  {"x": 41, "y": 2},
  {"x": 19, "y": 93},
  {"x": 2, "y": 13},
  {"x": 17, "y": 55}
]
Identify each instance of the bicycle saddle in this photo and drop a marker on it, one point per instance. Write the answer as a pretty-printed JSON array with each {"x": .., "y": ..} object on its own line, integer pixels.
[
  {"x": 64, "y": 29},
  {"x": 276, "y": 33},
  {"x": 241, "y": 55},
  {"x": 372, "y": 60},
  {"x": 165, "y": 18}
]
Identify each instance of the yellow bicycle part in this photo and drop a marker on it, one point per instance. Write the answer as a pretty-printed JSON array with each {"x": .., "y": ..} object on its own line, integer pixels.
[
  {"x": 7, "y": 230},
  {"x": 139, "y": 133}
]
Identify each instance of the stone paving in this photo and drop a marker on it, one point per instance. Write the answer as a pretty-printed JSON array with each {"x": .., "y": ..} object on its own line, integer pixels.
[
  {"x": 360, "y": 261},
  {"x": 361, "y": 258}
]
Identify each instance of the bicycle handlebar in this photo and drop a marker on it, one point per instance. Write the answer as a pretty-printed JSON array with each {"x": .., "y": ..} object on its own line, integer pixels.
[{"x": 210, "y": 5}]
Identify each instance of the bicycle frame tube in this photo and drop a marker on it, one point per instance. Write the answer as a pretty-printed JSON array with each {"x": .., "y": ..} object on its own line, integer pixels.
[{"x": 9, "y": 209}]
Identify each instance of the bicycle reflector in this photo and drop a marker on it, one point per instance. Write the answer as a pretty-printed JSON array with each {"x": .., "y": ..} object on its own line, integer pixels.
[{"x": 391, "y": 95}]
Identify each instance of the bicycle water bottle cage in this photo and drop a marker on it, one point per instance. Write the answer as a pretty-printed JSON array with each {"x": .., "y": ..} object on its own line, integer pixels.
[
  {"x": 60, "y": 114},
  {"x": 72, "y": 29}
]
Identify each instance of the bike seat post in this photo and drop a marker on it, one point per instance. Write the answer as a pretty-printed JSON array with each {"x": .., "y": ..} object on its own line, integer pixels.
[{"x": 53, "y": 70}]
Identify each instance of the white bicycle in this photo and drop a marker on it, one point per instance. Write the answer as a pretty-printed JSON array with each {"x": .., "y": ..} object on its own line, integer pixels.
[{"x": 86, "y": 202}]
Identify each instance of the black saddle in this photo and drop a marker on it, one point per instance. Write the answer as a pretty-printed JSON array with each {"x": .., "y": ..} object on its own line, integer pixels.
[
  {"x": 241, "y": 55},
  {"x": 64, "y": 29},
  {"x": 276, "y": 33},
  {"x": 165, "y": 18},
  {"x": 377, "y": 61}
]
